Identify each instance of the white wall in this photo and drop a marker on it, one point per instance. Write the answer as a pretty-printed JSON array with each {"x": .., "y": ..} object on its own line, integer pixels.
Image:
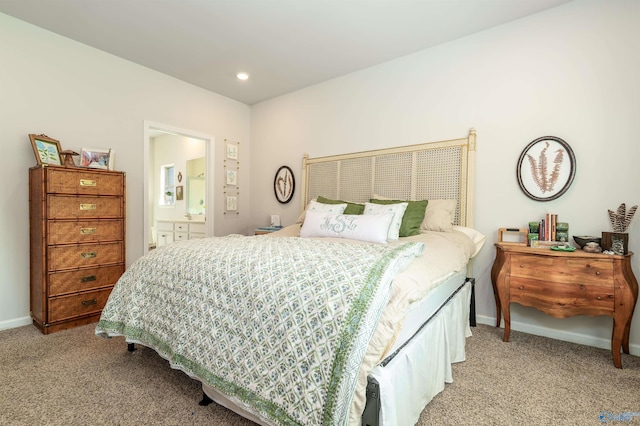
[
  {"x": 87, "y": 98},
  {"x": 570, "y": 72}
]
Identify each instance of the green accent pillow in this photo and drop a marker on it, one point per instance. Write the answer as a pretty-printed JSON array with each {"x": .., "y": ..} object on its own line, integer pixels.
[
  {"x": 352, "y": 208},
  {"x": 413, "y": 216}
]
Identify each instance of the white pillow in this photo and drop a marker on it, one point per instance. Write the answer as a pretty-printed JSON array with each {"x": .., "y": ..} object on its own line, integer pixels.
[
  {"x": 304, "y": 212},
  {"x": 439, "y": 215},
  {"x": 477, "y": 237},
  {"x": 315, "y": 206},
  {"x": 371, "y": 228},
  {"x": 396, "y": 209}
]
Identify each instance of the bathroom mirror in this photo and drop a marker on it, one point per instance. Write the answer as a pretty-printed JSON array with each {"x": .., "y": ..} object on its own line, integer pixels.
[{"x": 196, "y": 187}]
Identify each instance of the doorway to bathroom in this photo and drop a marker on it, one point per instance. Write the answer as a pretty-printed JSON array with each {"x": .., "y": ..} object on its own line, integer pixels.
[{"x": 178, "y": 172}]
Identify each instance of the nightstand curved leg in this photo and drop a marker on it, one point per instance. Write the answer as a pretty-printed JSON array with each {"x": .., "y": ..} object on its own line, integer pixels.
[
  {"x": 625, "y": 338},
  {"x": 507, "y": 323},
  {"x": 617, "y": 341}
]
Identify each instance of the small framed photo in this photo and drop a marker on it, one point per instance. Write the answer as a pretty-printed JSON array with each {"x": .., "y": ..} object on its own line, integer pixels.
[
  {"x": 232, "y": 203},
  {"x": 47, "y": 150},
  {"x": 96, "y": 158},
  {"x": 232, "y": 177},
  {"x": 232, "y": 151},
  {"x": 179, "y": 193}
]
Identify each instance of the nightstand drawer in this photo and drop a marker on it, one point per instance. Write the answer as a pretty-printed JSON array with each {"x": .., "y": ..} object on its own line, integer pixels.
[
  {"x": 566, "y": 299},
  {"x": 597, "y": 272}
]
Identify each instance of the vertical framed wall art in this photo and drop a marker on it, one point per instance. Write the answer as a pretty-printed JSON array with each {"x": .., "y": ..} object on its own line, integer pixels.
[{"x": 231, "y": 172}]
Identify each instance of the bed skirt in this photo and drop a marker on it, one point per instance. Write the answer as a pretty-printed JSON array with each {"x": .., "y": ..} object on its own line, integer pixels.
[{"x": 409, "y": 380}]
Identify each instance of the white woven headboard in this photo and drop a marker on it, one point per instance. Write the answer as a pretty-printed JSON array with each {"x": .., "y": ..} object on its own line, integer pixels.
[{"x": 434, "y": 170}]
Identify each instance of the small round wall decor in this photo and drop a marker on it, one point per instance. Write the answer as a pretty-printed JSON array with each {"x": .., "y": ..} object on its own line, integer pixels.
[
  {"x": 284, "y": 184},
  {"x": 546, "y": 168}
]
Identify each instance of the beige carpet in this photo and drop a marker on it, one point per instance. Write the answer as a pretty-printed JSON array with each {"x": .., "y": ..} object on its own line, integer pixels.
[{"x": 75, "y": 378}]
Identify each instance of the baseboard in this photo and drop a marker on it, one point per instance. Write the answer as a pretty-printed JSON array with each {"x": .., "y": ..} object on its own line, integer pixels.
[
  {"x": 582, "y": 339},
  {"x": 13, "y": 323}
]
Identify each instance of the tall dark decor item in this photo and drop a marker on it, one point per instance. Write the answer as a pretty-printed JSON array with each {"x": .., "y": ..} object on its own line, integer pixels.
[{"x": 618, "y": 240}]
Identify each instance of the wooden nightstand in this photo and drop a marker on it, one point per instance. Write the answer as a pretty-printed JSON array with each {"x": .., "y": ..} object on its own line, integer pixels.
[{"x": 565, "y": 284}]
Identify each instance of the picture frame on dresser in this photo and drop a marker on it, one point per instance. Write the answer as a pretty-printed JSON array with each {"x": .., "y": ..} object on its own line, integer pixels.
[
  {"x": 46, "y": 149},
  {"x": 97, "y": 158}
]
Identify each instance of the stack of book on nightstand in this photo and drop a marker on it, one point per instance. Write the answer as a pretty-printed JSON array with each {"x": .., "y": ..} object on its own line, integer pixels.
[{"x": 548, "y": 231}]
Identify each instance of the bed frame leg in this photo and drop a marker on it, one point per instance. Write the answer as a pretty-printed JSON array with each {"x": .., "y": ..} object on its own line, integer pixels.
[
  {"x": 131, "y": 347},
  {"x": 472, "y": 307},
  {"x": 205, "y": 400},
  {"x": 371, "y": 414}
]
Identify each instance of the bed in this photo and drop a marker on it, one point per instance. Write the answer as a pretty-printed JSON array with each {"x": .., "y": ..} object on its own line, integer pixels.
[{"x": 318, "y": 324}]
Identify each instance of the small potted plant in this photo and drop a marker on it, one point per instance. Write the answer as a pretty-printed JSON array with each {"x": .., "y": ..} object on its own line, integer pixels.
[{"x": 618, "y": 240}]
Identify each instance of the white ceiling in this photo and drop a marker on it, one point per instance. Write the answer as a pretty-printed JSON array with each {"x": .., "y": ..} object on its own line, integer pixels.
[{"x": 284, "y": 45}]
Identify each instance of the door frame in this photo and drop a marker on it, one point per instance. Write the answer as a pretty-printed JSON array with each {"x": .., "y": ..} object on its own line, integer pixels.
[{"x": 149, "y": 127}]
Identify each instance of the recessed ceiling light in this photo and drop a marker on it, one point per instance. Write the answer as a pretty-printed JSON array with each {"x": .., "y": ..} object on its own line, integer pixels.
[{"x": 242, "y": 76}]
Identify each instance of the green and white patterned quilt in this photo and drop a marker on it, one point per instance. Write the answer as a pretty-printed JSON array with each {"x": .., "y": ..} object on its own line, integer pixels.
[{"x": 280, "y": 325}]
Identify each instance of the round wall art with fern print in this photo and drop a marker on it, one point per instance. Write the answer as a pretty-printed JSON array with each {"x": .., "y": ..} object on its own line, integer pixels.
[{"x": 546, "y": 168}]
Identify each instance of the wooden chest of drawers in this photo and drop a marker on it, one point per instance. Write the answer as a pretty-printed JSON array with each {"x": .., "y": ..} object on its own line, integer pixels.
[
  {"x": 564, "y": 284},
  {"x": 77, "y": 219}
]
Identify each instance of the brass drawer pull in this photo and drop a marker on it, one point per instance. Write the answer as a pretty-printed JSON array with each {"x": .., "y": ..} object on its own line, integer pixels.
[
  {"x": 89, "y": 254},
  {"x": 88, "y": 182},
  {"x": 89, "y": 302},
  {"x": 88, "y": 231},
  {"x": 87, "y": 206},
  {"x": 88, "y": 278}
]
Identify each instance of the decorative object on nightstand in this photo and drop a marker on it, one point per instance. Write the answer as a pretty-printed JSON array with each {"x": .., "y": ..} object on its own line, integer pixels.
[
  {"x": 582, "y": 240},
  {"x": 618, "y": 240},
  {"x": 518, "y": 236},
  {"x": 565, "y": 284},
  {"x": 77, "y": 243},
  {"x": 546, "y": 168}
]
